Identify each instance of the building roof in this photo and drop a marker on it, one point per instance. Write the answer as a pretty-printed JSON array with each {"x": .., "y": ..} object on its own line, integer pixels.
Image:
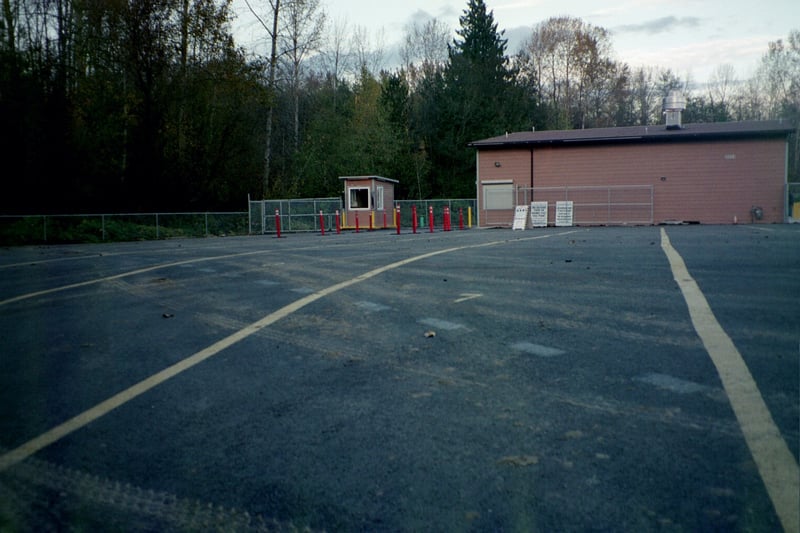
[
  {"x": 641, "y": 134},
  {"x": 377, "y": 178}
]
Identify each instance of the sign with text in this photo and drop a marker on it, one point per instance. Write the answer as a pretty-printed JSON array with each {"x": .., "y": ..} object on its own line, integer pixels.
[
  {"x": 564, "y": 213},
  {"x": 539, "y": 214},
  {"x": 520, "y": 217}
]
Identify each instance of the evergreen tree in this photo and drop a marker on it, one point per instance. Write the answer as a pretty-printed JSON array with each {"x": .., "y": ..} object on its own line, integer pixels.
[{"x": 481, "y": 99}]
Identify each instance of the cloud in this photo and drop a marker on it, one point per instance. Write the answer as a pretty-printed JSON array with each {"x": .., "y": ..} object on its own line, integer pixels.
[
  {"x": 699, "y": 59},
  {"x": 420, "y": 17},
  {"x": 660, "y": 25},
  {"x": 517, "y": 37},
  {"x": 446, "y": 15}
]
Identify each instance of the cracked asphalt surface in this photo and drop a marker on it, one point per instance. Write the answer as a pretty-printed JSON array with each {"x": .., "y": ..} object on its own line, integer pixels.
[{"x": 565, "y": 388}]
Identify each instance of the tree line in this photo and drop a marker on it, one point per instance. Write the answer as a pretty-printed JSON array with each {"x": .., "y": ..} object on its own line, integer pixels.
[{"x": 151, "y": 105}]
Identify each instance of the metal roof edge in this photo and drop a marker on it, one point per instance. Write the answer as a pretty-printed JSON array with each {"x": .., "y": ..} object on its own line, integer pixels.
[
  {"x": 379, "y": 178},
  {"x": 652, "y": 133}
]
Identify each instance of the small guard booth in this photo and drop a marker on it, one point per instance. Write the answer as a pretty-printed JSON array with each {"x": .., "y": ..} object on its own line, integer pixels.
[{"x": 368, "y": 202}]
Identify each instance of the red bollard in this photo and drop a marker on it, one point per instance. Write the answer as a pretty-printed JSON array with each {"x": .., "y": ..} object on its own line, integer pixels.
[
  {"x": 446, "y": 219},
  {"x": 278, "y": 222},
  {"x": 321, "y": 223},
  {"x": 430, "y": 218},
  {"x": 461, "y": 218},
  {"x": 338, "y": 223},
  {"x": 414, "y": 219},
  {"x": 356, "y": 221},
  {"x": 397, "y": 219}
]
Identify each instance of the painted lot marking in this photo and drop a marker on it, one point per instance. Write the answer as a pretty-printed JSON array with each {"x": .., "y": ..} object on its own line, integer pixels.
[
  {"x": 372, "y": 307},
  {"x": 537, "y": 349},
  {"x": 776, "y": 464},
  {"x": 36, "y": 444},
  {"x": 671, "y": 383},
  {"x": 467, "y": 296},
  {"x": 124, "y": 275},
  {"x": 441, "y": 324},
  {"x": 188, "y": 263}
]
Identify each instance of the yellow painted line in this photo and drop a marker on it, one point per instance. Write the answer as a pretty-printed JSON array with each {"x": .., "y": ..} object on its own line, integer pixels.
[
  {"x": 29, "y": 448},
  {"x": 54, "y": 260},
  {"x": 123, "y": 275},
  {"x": 776, "y": 464}
]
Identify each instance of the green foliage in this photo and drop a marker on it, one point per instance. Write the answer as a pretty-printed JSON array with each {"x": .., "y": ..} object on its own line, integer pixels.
[
  {"x": 153, "y": 108},
  {"x": 479, "y": 98},
  {"x": 149, "y": 106},
  {"x": 779, "y": 73}
]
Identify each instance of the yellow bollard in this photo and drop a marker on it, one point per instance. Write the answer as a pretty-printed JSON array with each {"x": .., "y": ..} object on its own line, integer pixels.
[{"x": 469, "y": 217}]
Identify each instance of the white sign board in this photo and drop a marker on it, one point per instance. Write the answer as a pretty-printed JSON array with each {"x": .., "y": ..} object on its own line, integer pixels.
[
  {"x": 564, "y": 213},
  {"x": 520, "y": 217},
  {"x": 539, "y": 214}
]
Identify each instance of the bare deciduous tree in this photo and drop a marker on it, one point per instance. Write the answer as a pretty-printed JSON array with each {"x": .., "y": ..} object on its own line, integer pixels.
[
  {"x": 272, "y": 31},
  {"x": 335, "y": 56},
  {"x": 646, "y": 100},
  {"x": 425, "y": 48},
  {"x": 571, "y": 63},
  {"x": 368, "y": 55},
  {"x": 720, "y": 86},
  {"x": 304, "y": 23}
]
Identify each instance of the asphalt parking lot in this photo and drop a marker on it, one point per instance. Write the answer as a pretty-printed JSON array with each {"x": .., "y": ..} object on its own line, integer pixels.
[{"x": 482, "y": 380}]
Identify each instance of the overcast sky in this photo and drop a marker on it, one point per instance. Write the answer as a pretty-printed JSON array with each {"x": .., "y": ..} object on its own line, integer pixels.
[{"x": 692, "y": 37}]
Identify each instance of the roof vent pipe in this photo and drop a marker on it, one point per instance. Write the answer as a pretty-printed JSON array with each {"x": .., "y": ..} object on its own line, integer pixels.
[{"x": 673, "y": 105}]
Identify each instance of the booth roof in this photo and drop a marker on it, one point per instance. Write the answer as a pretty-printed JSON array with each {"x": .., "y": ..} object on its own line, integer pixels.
[{"x": 377, "y": 178}]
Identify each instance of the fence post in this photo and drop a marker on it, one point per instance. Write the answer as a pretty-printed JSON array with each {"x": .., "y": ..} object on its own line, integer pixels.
[{"x": 157, "y": 233}]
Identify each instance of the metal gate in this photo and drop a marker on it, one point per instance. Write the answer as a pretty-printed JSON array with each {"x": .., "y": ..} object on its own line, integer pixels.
[
  {"x": 295, "y": 215},
  {"x": 595, "y": 205}
]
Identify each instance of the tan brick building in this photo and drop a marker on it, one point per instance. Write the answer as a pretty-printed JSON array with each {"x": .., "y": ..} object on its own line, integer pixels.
[{"x": 717, "y": 173}]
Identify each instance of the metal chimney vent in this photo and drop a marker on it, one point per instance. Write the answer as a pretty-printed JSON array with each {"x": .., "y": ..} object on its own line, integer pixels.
[{"x": 673, "y": 105}]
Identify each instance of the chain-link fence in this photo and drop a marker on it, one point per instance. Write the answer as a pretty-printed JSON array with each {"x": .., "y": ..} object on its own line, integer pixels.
[
  {"x": 304, "y": 214},
  {"x": 458, "y": 207},
  {"x": 601, "y": 205},
  {"x": 295, "y": 215},
  {"x": 793, "y": 201},
  {"x": 35, "y": 229}
]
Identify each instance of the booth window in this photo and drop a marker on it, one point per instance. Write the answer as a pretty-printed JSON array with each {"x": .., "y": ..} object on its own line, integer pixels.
[
  {"x": 379, "y": 198},
  {"x": 359, "y": 198}
]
